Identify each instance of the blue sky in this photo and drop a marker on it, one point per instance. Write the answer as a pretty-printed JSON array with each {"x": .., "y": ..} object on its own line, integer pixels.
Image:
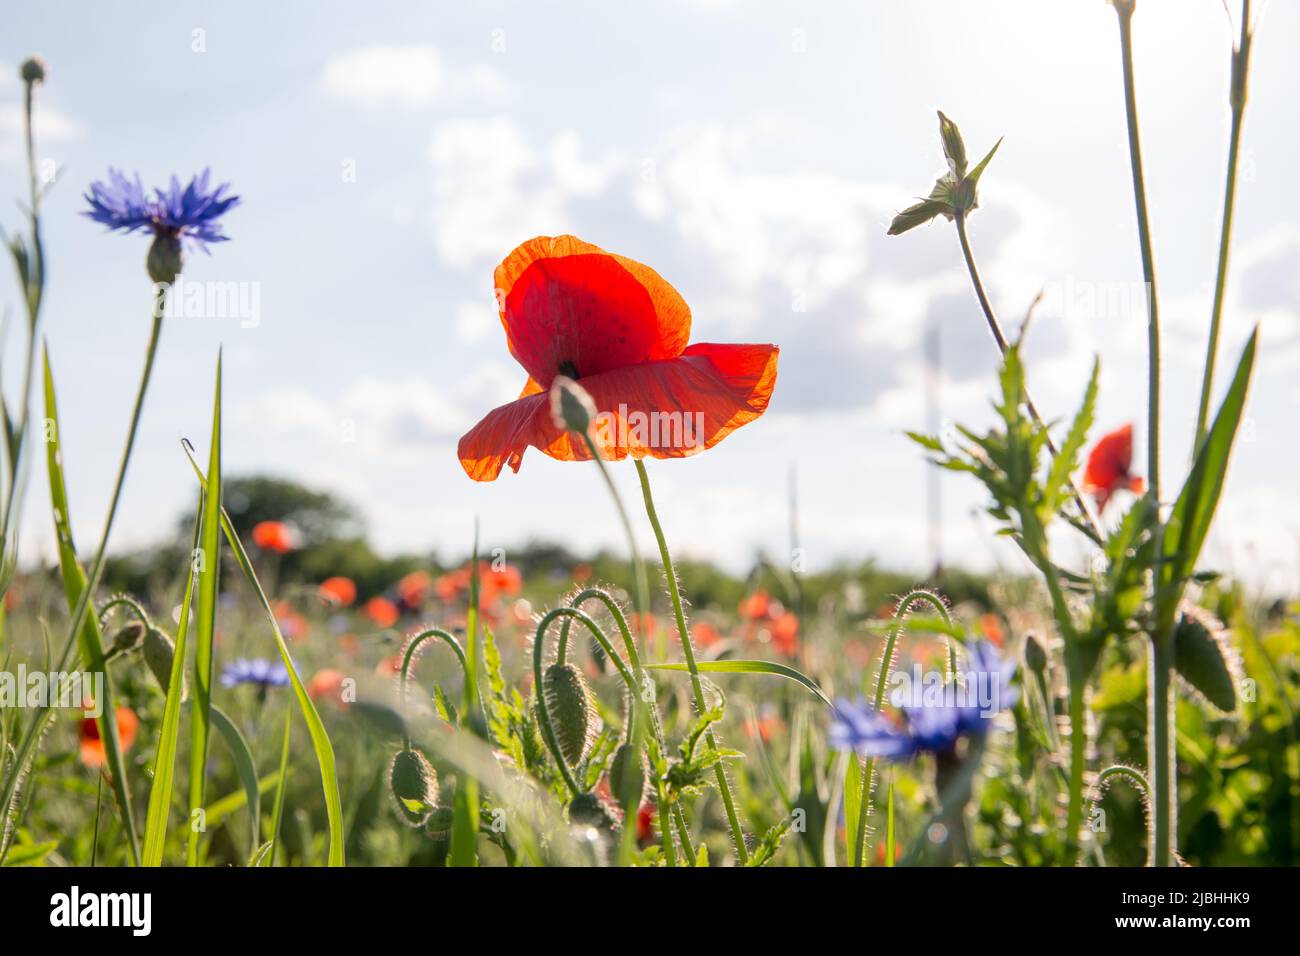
[{"x": 390, "y": 154}]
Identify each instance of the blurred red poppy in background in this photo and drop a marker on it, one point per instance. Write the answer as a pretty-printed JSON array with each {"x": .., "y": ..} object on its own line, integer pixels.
[
  {"x": 571, "y": 308},
  {"x": 1108, "y": 466},
  {"x": 92, "y": 747},
  {"x": 382, "y": 611},
  {"x": 785, "y": 634},
  {"x": 274, "y": 536},
  {"x": 339, "y": 591},
  {"x": 414, "y": 589}
]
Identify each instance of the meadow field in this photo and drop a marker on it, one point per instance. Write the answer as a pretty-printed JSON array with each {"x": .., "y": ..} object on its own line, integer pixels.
[{"x": 252, "y": 678}]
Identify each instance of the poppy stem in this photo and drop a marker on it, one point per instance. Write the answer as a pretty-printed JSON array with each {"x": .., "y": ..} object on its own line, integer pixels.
[
  {"x": 688, "y": 651},
  {"x": 1160, "y": 691},
  {"x": 408, "y": 656},
  {"x": 1088, "y": 524},
  {"x": 1237, "y": 100},
  {"x": 901, "y": 611}
]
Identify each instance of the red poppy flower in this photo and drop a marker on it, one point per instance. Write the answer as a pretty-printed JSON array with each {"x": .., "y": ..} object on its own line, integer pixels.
[
  {"x": 571, "y": 308},
  {"x": 1108, "y": 466},
  {"x": 756, "y": 606},
  {"x": 704, "y": 634},
  {"x": 338, "y": 591},
  {"x": 327, "y": 683},
  {"x": 274, "y": 536},
  {"x": 785, "y": 634},
  {"x": 413, "y": 589},
  {"x": 382, "y": 611},
  {"x": 92, "y": 747},
  {"x": 645, "y": 823},
  {"x": 992, "y": 628}
]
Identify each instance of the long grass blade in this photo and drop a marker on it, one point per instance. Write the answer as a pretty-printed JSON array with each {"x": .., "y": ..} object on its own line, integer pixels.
[
  {"x": 88, "y": 636},
  {"x": 750, "y": 667},
  {"x": 209, "y": 558},
  {"x": 320, "y": 740}
]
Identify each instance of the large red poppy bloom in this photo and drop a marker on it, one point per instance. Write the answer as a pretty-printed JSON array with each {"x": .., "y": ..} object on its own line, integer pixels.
[
  {"x": 1108, "y": 466},
  {"x": 570, "y": 308}
]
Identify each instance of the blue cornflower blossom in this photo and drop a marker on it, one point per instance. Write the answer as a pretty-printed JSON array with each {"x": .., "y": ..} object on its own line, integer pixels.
[
  {"x": 929, "y": 726},
  {"x": 261, "y": 673},
  {"x": 189, "y": 215}
]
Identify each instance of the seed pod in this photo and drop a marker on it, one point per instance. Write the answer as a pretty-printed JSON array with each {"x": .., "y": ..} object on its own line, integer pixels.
[
  {"x": 415, "y": 786},
  {"x": 1203, "y": 657},
  {"x": 627, "y": 778},
  {"x": 572, "y": 713},
  {"x": 159, "y": 651},
  {"x": 587, "y": 809}
]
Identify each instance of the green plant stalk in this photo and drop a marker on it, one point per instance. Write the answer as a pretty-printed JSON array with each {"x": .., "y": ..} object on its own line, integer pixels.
[
  {"x": 1237, "y": 100},
  {"x": 1160, "y": 744},
  {"x": 277, "y": 815},
  {"x": 409, "y": 655},
  {"x": 656, "y": 728},
  {"x": 1090, "y": 527},
  {"x": 206, "y": 622},
  {"x": 902, "y": 609},
  {"x": 688, "y": 651}
]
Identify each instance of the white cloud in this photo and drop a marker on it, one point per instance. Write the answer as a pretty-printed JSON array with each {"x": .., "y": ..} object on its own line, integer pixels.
[
  {"x": 493, "y": 189},
  {"x": 409, "y": 74}
]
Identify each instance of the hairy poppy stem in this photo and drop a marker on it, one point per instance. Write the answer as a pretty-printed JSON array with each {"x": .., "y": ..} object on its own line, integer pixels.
[
  {"x": 918, "y": 596},
  {"x": 1089, "y": 524},
  {"x": 1160, "y": 689},
  {"x": 1237, "y": 100},
  {"x": 688, "y": 651},
  {"x": 409, "y": 655}
]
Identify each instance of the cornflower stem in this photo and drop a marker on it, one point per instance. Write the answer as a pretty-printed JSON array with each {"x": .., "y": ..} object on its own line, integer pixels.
[
  {"x": 1237, "y": 100},
  {"x": 1160, "y": 693},
  {"x": 1090, "y": 526},
  {"x": 903, "y": 608},
  {"x": 688, "y": 651}
]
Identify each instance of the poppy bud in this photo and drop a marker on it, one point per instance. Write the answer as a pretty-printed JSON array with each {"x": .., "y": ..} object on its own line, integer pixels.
[
  {"x": 587, "y": 809},
  {"x": 414, "y": 784},
  {"x": 1035, "y": 658},
  {"x": 166, "y": 258},
  {"x": 159, "y": 652},
  {"x": 573, "y": 717},
  {"x": 127, "y": 639},
  {"x": 571, "y": 406},
  {"x": 627, "y": 777},
  {"x": 1203, "y": 658},
  {"x": 438, "y": 826},
  {"x": 32, "y": 70}
]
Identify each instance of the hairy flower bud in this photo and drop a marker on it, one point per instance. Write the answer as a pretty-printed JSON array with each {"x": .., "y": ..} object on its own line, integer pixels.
[
  {"x": 571, "y": 406},
  {"x": 32, "y": 70},
  {"x": 414, "y": 785},
  {"x": 572, "y": 713},
  {"x": 627, "y": 778}
]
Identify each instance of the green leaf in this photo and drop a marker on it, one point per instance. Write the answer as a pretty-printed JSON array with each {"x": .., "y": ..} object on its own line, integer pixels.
[
  {"x": 88, "y": 638},
  {"x": 164, "y": 765},
  {"x": 1189, "y": 521},
  {"x": 209, "y": 555},
  {"x": 1058, "y": 487},
  {"x": 244, "y": 767},
  {"x": 973, "y": 177},
  {"x": 30, "y": 854},
  {"x": 928, "y": 442},
  {"x": 917, "y": 214},
  {"x": 750, "y": 667},
  {"x": 320, "y": 740}
]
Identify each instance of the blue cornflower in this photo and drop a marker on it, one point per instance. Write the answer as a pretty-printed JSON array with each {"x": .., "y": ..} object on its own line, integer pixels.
[
  {"x": 177, "y": 215},
  {"x": 261, "y": 673},
  {"x": 931, "y": 725}
]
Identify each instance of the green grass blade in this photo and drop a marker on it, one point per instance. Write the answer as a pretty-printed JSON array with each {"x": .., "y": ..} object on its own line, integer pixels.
[
  {"x": 209, "y": 555},
  {"x": 750, "y": 667},
  {"x": 88, "y": 637},
  {"x": 320, "y": 740},
  {"x": 244, "y": 767},
  {"x": 1189, "y": 521},
  {"x": 164, "y": 765},
  {"x": 277, "y": 817}
]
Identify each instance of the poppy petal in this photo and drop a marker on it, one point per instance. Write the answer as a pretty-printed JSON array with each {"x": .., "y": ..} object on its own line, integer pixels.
[
  {"x": 666, "y": 409},
  {"x": 569, "y": 306}
]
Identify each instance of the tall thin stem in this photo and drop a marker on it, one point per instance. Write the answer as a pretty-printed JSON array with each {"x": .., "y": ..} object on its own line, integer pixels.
[
  {"x": 1160, "y": 714},
  {"x": 1237, "y": 100},
  {"x": 688, "y": 651},
  {"x": 1089, "y": 526}
]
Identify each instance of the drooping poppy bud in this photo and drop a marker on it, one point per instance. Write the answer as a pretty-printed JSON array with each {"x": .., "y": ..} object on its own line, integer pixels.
[
  {"x": 627, "y": 777},
  {"x": 572, "y": 713},
  {"x": 571, "y": 405},
  {"x": 414, "y": 784},
  {"x": 159, "y": 651},
  {"x": 1204, "y": 658},
  {"x": 127, "y": 639}
]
